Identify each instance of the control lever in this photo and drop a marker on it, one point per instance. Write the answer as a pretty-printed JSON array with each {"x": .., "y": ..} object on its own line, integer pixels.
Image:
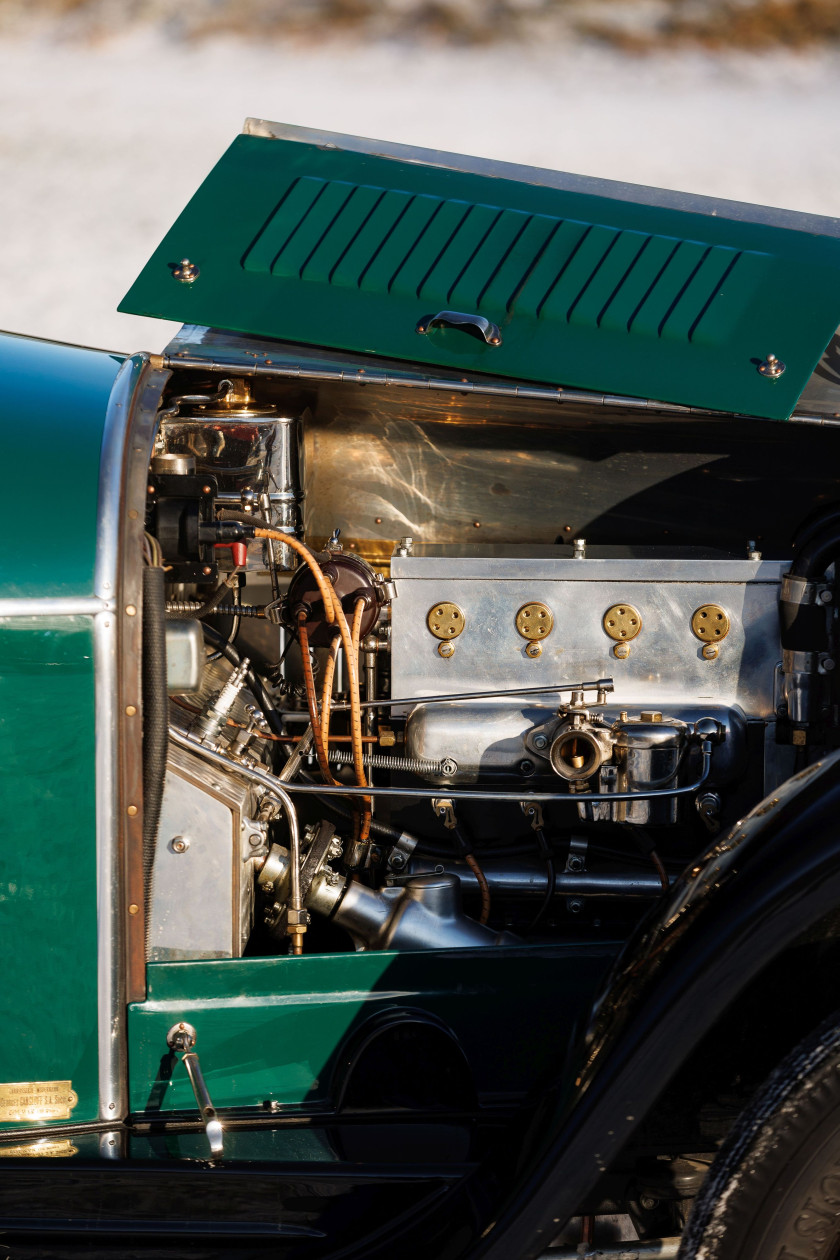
[{"x": 181, "y": 1038}]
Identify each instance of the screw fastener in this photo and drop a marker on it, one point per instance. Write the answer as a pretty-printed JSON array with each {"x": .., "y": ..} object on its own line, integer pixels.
[
  {"x": 186, "y": 271},
  {"x": 533, "y": 650},
  {"x": 771, "y": 367},
  {"x": 446, "y": 649}
]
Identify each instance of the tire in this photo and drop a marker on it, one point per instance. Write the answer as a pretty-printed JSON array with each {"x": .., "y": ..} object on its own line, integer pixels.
[{"x": 773, "y": 1193}]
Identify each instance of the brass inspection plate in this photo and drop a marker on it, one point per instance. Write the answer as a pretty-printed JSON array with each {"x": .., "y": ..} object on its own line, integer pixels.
[
  {"x": 446, "y": 620},
  {"x": 534, "y": 620},
  {"x": 36, "y": 1100},
  {"x": 710, "y": 622},
  {"x": 622, "y": 622}
]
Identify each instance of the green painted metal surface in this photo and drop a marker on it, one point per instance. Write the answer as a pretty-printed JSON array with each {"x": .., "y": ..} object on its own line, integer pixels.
[
  {"x": 52, "y": 413},
  {"x": 48, "y": 1006},
  {"x": 353, "y": 251},
  {"x": 271, "y": 1029}
]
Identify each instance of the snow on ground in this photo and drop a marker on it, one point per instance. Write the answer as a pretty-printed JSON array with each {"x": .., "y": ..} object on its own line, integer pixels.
[{"x": 101, "y": 146}]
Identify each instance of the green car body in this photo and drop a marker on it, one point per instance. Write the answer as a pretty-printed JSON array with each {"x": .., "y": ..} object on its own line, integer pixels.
[{"x": 337, "y": 264}]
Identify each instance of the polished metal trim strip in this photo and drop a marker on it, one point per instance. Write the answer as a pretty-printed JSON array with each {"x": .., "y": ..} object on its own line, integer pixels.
[
  {"x": 110, "y": 474},
  {"x": 536, "y": 393},
  {"x": 111, "y": 1031},
  {"x": 110, "y": 986},
  {"x": 564, "y": 181},
  {"x": 60, "y": 606}
]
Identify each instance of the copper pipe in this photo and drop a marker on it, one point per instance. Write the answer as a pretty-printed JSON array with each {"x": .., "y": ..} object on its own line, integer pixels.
[
  {"x": 484, "y": 887},
  {"x": 660, "y": 870}
]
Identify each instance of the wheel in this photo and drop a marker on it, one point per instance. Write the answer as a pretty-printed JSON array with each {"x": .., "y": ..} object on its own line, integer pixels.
[{"x": 773, "y": 1193}]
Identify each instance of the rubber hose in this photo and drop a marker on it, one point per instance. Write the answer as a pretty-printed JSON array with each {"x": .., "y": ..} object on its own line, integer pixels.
[
  {"x": 155, "y": 714},
  {"x": 246, "y": 518},
  {"x": 803, "y": 626}
]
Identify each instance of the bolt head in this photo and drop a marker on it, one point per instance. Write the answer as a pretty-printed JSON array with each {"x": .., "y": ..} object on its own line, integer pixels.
[{"x": 540, "y": 741}]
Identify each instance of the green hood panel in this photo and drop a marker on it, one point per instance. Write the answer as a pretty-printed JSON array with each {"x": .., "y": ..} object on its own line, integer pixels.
[{"x": 350, "y": 246}]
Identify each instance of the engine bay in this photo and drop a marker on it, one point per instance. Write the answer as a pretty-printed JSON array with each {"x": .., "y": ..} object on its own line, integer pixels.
[{"x": 465, "y": 671}]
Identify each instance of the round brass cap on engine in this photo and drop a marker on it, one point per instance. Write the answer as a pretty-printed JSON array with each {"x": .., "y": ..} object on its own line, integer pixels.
[
  {"x": 622, "y": 622},
  {"x": 710, "y": 623},
  {"x": 445, "y": 620},
  {"x": 534, "y": 621}
]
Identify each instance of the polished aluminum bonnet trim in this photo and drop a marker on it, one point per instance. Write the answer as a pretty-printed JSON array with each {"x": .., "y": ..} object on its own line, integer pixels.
[
  {"x": 187, "y": 351},
  {"x": 110, "y": 474},
  {"x": 111, "y": 1031},
  {"x": 60, "y": 606},
  {"x": 126, "y": 394},
  {"x": 227, "y": 352},
  {"x": 111, "y": 1038}
]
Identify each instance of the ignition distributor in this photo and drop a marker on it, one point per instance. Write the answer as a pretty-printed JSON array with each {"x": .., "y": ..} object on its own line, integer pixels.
[{"x": 352, "y": 579}]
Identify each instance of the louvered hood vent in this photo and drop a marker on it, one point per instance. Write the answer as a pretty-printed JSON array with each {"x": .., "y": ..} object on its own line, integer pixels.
[{"x": 372, "y": 253}]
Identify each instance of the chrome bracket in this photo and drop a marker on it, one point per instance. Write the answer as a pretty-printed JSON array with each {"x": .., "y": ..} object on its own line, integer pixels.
[{"x": 181, "y": 1039}]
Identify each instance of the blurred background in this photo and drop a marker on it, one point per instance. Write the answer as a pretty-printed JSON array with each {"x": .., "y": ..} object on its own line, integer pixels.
[{"x": 113, "y": 111}]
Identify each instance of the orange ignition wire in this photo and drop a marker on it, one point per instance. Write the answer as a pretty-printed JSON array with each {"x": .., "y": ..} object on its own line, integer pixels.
[
  {"x": 312, "y": 700},
  {"x": 355, "y": 708},
  {"x": 358, "y": 744},
  {"x": 326, "y": 690},
  {"x": 306, "y": 555}
]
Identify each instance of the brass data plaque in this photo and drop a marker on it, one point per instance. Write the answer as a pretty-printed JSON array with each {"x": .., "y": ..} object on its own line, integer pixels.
[
  {"x": 36, "y": 1100},
  {"x": 44, "y": 1148}
]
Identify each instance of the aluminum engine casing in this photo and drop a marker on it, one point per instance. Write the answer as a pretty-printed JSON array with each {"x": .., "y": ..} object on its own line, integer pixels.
[
  {"x": 202, "y": 899},
  {"x": 665, "y": 668}
]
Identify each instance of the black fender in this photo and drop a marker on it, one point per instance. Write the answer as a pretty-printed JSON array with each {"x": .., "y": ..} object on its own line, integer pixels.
[{"x": 739, "y": 906}]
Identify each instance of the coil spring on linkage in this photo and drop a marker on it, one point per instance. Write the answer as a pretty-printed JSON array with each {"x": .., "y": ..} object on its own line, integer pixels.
[
  {"x": 185, "y": 606},
  {"x": 378, "y": 761}
]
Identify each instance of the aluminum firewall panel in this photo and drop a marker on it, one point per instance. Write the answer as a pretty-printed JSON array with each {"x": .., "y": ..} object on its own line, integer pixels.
[{"x": 357, "y": 251}]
